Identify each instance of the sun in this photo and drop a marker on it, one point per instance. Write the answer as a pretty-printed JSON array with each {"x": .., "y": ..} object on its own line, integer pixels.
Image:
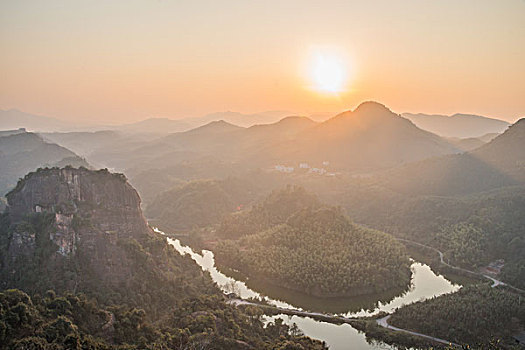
[{"x": 328, "y": 73}]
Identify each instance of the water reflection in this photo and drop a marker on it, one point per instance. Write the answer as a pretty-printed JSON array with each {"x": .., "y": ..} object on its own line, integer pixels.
[
  {"x": 337, "y": 337},
  {"x": 365, "y": 303},
  {"x": 424, "y": 284}
]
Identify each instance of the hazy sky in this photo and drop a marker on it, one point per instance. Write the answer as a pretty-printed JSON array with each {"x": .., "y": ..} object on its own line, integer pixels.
[{"x": 119, "y": 61}]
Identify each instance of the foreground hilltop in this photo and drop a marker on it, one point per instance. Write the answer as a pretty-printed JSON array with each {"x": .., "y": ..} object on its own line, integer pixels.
[
  {"x": 81, "y": 230},
  {"x": 117, "y": 284}
]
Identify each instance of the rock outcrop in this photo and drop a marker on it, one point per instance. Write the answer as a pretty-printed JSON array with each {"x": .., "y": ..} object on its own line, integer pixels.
[
  {"x": 82, "y": 230},
  {"x": 87, "y": 205}
]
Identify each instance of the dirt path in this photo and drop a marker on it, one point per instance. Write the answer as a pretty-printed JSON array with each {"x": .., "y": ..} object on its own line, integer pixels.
[{"x": 383, "y": 322}]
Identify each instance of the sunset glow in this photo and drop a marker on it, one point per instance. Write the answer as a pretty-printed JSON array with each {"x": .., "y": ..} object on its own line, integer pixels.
[
  {"x": 122, "y": 61},
  {"x": 328, "y": 73}
]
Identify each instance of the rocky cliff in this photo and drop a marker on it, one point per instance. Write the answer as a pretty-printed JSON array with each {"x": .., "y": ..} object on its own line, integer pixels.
[
  {"x": 87, "y": 206},
  {"x": 82, "y": 230}
]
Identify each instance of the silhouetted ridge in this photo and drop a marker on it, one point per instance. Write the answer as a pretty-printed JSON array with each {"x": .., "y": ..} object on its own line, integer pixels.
[
  {"x": 520, "y": 122},
  {"x": 219, "y": 125},
  {"x": 372, "y": 107},
  {"x": 295, "y": 119}
]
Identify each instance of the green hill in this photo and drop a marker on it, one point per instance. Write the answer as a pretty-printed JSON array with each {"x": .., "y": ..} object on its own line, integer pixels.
[
  {"x": 304, "y": 246},
  {"x": 90, "y": 274}
]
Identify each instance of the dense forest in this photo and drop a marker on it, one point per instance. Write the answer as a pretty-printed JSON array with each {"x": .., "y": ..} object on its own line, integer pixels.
[
  {"x": 195, "y": 204},
  {"x": 156, "y": 275},
  {"x": 76, "y": 322},
  {"x": 120, "y": 284},
  {"x": 476, "y": 315},
  {"x": 471, "y": 230},
  {"x": 316, "y": 249},
  {"x": 201, "y": 203},
  {"x": 274, "y": 209}
]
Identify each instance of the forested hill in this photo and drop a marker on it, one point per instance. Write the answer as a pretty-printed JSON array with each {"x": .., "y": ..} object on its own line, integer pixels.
[
  {"x": 469, "y": 205},
  {"x": 91, "y": 274},
  {"x": 501, "y": 162},
  {"x": 291, "y": 240},
  {"x": 77, "y": 230},
  {"x": 483, "y": 317},
  {"x": 457, "y": 125},
  {"x": 368, "y": 138},
  {"x": 275, "y": 209}
]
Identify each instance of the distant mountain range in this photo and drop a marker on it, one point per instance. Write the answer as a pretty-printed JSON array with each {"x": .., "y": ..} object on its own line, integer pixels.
[
  {"x": 365, "y": 140},
  {"x": 23, "y": 152},
  {"x": 500, "y": 162},
  {"x": 369, "y": 138},
  {"x": 457, "y": 125},
  {"x": 166, "y": 125},
  {"x": 15, "y": 119}
]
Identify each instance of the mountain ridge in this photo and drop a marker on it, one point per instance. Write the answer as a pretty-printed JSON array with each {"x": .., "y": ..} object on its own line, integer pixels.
[
  {"x": 23, "y": 152},
  {"x": 457, "y": 125}
]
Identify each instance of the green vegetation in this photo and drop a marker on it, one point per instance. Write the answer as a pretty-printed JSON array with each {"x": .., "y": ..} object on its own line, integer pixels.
[
  {"x": 471, "y": 230},
  {"x": 275, "y": 209},
  {"x": 401, "y": 340},
  {"x": 151, "y": 183},
  {"x": 122, "y": 286},
  {"x": 202, "y": 203},
  {"x": 316, "y": 249},
  {"x": 464, "y": 244},
  {"x": 154, "y": 277},
  {"x": 75, "y": 322},
  {"x": 195, "y": 204},
  {"x": 475, "y": 315}
]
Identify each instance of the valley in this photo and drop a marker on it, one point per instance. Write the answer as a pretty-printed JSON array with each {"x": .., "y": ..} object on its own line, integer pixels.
[
  {"x": 424, "y": 284},
  {"x": 315, "y": 237},
  {"x": 262, "y": 175}
]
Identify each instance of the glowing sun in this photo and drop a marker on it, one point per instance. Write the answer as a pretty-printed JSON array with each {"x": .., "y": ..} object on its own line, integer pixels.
[{"x": 328, "y": 73}]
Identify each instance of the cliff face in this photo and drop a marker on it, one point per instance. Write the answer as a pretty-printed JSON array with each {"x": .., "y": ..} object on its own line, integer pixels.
[
  {"x": 81, "y": 230},
  {"x": 88, "y": 206}
]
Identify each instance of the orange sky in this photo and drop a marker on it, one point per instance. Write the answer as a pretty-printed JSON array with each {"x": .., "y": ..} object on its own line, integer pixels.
[{"x": 121, "y": 61}]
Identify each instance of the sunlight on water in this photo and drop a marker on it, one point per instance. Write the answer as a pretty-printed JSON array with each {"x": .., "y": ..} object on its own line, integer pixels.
[
  {"x": 338, "y": 337},
  {"x": 425, "y": 284}
]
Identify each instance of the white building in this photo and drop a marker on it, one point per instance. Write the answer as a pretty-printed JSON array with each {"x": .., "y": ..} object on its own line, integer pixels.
[
  {"x": 284, "y": 169},
  {"x": 317, "y": 170}
]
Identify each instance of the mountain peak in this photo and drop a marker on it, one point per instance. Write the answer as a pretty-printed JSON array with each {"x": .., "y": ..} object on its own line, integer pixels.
[
  {"x": 220, "y": 124},
  {"x": 216, "y": 126},
  {"x": 295, "y": 119},
  {"x": 368, "y": 112},
  {"x": 520, "y": 122},
  {"x": 372, "y": 106}
]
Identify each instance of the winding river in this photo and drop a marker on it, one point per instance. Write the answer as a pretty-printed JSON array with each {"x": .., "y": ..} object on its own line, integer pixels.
[{"x": 424, "y": 284}]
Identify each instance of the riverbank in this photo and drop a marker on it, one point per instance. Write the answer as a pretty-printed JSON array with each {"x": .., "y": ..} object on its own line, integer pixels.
[
  {"x": 369, "y": 325},
  {"x": 424, "y": 284}
]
